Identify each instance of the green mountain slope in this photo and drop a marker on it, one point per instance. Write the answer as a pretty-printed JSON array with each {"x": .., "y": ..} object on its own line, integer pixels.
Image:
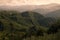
[
  {"x": 18, "y": 26},
  {"x": 26, "y": 19}
]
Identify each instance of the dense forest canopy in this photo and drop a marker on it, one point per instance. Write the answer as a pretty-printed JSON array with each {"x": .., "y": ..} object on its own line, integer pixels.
[{"x": 28, "y": 25}]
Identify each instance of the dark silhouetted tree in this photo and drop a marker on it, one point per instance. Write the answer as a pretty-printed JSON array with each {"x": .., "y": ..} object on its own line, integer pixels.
[
  {"x": 1, "y": 26},
  {"x": 52, "y": 30}
]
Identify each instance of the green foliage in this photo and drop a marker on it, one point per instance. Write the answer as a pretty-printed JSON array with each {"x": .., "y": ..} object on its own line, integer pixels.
[{"x": 27, "y": 25}]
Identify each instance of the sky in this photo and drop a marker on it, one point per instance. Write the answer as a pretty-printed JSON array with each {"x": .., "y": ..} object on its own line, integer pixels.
[{"x": 27, "y": 2}]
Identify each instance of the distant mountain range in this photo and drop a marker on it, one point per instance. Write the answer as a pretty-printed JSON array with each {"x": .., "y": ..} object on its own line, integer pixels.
[
  {"x": 43, "y": 9},
  {"x": 50, "y": 10},
  {"x": 55, "y": 14}
]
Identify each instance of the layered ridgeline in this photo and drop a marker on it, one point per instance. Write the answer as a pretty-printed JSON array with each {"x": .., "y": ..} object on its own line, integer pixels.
[
  {"x": 54, "y": 14},
  {"x": 25, "y": 19},
  {"x": 15, "y": 25}
]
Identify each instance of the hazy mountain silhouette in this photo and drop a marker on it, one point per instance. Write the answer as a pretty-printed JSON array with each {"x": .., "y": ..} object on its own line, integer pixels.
[
  {"x": 55, "y": 14},
  {"x": 43, "y": 9}
]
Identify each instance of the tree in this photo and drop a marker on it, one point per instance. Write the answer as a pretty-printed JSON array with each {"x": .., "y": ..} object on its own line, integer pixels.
[
  {"x": 1, "y": 26},
  {"x": 54, "y": 27},
  {"x": 52, "y": 30}
]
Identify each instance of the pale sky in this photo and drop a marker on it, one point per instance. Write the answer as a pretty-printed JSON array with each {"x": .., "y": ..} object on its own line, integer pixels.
[{"x": 27, "y": 2}]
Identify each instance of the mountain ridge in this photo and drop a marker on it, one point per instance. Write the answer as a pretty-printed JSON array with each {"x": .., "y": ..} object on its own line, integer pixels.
[{"x": 43, "y": 9}]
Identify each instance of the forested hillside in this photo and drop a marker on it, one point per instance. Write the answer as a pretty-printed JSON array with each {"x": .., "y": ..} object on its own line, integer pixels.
[{"x": 28, "y": 25}]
